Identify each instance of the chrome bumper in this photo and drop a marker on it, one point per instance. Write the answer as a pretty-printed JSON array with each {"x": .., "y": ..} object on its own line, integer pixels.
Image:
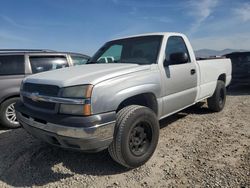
[
  {"x": 99, "y": 131},
  {"x": 91, "y": 133}
]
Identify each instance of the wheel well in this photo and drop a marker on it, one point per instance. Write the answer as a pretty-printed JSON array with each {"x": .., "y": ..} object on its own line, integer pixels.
[
  {"x": 9, "y": 97},
  {"x": 222, "y": 77},
  {"x": 145, "y": 99}
]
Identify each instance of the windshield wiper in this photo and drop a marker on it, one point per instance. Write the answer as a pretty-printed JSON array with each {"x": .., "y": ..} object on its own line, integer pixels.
[
  {"x": 131, "y": 62},
  {"x": 92, "y": 62}
]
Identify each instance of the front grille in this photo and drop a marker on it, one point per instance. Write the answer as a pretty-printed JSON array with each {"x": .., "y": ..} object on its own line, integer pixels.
[
  {"x": 39, "y": 104},
  {"x": 42, "y": 89}
]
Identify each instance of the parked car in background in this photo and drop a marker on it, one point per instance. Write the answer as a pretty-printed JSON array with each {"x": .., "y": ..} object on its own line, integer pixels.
[
  {"x": 17, "y": 64},
  {"x": 240, "y": 67}
]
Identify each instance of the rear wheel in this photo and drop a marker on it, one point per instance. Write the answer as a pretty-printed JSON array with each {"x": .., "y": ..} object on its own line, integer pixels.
[
  {"x": 136, "y": 136},
  {"x": 217, "y": 101},
  {"x": 8, "y": 114}
]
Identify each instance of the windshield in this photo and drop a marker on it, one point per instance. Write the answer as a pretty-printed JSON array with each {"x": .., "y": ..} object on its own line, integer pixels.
[{"x": 137, "y": 50}]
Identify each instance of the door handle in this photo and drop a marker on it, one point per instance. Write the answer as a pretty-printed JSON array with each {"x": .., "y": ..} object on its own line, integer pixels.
[{"x": 192, "y": 71}]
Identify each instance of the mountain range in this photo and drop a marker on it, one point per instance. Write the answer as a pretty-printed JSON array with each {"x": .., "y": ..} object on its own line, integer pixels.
[{"x": 209, "y": 52}]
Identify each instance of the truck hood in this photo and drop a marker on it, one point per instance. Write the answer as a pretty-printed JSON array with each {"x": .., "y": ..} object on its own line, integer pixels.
[{"x": 84, "y": 74}]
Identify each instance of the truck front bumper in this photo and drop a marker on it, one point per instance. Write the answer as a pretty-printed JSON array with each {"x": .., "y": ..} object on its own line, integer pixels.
[{"x": 90, "y": 133}]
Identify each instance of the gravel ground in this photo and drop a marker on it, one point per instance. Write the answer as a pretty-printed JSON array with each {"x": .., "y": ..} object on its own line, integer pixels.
[{"x": 197, "y": 148}]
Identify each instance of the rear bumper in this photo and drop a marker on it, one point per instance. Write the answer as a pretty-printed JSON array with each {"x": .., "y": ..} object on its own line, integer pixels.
[{"x": 91, "y": 133}]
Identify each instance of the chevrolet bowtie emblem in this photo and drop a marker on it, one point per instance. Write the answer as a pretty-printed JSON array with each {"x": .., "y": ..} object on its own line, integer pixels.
[{"x": 34, "y": 96}]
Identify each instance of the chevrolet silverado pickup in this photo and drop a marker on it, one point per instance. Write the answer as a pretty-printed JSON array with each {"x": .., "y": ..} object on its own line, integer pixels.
[{"x": 118, "y": 104}]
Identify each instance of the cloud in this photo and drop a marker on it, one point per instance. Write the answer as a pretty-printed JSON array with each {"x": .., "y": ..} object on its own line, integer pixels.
[
  {"x": 235, "y": 41},
  {"x": 223, "y": 32},
  {"x": 5, "y": 35},
  {"x": 38, "y": 25},
  {"x": 148, "y": 4},
  {"x": 243, "y": 12},
  {"x": 14, "y": 23},
  {"x": 201, "y": 10}
]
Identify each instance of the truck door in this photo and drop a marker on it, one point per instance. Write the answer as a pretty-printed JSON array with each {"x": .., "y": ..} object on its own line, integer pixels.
[{"x": 180, "y": 78}]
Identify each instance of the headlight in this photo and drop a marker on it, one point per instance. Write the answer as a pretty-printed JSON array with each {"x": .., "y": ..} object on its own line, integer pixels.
[
  {"x": 77, "y": 92},
  {"x": 82, "y": 91}
]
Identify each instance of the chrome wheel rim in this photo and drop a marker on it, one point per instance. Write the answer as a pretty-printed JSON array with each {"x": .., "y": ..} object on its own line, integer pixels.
[{"x": 11, "y": 114}]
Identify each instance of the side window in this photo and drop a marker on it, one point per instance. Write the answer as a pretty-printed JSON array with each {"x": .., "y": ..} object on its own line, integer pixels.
[
  {"x": 11, "y": 65},
  {"x": 175, "y": 44},
  {"x": 46, "y": 63},
  {"x": 112, "y": 54},
  {"x": 79, "y": 60}
]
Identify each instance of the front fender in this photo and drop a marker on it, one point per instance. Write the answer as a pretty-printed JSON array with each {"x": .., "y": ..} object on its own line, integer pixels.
[{"x": 108, "y": 95}]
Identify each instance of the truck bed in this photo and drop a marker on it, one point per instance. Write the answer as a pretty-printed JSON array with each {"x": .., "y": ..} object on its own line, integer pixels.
[{"x": 208, "y": 75}]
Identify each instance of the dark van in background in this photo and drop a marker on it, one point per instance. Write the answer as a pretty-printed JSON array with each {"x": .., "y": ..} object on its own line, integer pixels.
[
  {"x": 16, "y": 64},
  {"x": 240, "y": 68}
]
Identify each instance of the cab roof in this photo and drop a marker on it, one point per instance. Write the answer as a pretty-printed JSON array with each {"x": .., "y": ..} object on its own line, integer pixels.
[{"x": 150, "y": 34}]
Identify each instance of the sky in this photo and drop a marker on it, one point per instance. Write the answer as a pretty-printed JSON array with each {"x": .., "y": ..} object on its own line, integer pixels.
[{"x": 85, "y": 25}]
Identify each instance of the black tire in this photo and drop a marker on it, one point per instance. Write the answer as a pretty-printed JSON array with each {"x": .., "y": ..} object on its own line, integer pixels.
[
  {"x": 135, "y": 137},
  {"x": 217, "y": 102},
  {"x": 5, "y": 110}
]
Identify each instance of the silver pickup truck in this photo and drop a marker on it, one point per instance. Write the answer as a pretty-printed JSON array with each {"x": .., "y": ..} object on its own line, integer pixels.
[{"x": 117, "y": 104}]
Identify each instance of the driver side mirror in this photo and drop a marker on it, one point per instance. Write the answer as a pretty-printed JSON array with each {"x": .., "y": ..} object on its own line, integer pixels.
[{"x": 176, "y": 58}]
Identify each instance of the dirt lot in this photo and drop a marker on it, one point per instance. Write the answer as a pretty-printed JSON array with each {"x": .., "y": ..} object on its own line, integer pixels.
[{"x": 196, "y": 148}]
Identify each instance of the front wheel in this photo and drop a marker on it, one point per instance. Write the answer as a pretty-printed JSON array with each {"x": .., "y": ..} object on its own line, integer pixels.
[
  {"x": 8, "y": 114},
  {"x": 135, "y": 137},
  {"x": 217, "y": 101}
]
